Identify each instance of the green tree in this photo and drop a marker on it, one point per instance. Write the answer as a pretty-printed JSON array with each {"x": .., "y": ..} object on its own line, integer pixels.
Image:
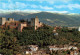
[{"x": 8, "y": 45}]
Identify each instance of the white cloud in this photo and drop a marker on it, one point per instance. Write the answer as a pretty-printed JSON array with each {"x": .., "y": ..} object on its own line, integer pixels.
[
  {"x": 72, "y": 6},
  {"x": 69, "y": 6},
  {"x": 51, "y": 1},
  {"x": 46, "y": 7},
  {"x": 64, "y": 1},
  {"x": 34, "y": 6},
  {"x": 9, "y": 1},
  {"x": 16, "y": 5},
  {"x": 31, "y": 11},
  {"x": 25, "y": 11},
  {"x": 3, "y": 5},
  {"x": 58, "y": 11},
  {"x": 20, "y": 5}
]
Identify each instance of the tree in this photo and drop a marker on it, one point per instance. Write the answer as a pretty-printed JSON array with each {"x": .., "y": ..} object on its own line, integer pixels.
[{"x": 8, "y": 46}]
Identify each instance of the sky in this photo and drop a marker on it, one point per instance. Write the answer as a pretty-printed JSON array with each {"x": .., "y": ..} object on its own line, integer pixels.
[{"x": 58, "y": 6}]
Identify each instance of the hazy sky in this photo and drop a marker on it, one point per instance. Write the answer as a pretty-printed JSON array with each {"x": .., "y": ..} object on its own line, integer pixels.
[{"x": 61, "y": 6}]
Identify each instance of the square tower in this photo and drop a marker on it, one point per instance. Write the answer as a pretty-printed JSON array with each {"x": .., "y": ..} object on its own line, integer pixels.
[
  {"x": 10, "y": 19},
  {"x": 35, "y": 22},
  {"x": 2, "y": 21},
  {"x": 32, "y": 21}
]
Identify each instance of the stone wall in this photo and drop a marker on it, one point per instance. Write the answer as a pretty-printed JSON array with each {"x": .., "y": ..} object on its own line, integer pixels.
[{"x": 2, "y": 21}]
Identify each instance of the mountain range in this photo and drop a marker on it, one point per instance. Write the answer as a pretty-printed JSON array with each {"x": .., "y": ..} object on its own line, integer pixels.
[{"x": 53, "y": 19}]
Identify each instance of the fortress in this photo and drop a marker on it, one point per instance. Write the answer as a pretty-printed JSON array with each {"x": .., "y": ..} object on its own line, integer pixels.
[
  {"x": 11, "y": 23},
  {"x": 3, "y": 20}
]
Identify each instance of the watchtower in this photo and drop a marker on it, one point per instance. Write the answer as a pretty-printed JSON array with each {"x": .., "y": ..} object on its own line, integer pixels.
[{"x": 2, "y": 21}]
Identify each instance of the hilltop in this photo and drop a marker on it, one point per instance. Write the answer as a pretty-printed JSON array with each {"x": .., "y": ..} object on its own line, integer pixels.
[{"x": 48, "y": 18}]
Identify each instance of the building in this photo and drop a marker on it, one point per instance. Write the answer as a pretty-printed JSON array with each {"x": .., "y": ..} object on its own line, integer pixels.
[
  {"x": 11, "y": 19},
  {"x": 55, "y": 34},
  {"x": 27, "y": 52},
  {"x": 74, "y": 53},
  {"x": 21, "y": 26},
  {"x": 71, "y": 28},
  {"x": 33, "y": 48},
  {"x": 11, "y": 23},
  {"x": 2, "y": 21},
  {"x": 55, "y": 48},
  {"x": 79, "y": 29},
  {"x": 35, "y": 22}
]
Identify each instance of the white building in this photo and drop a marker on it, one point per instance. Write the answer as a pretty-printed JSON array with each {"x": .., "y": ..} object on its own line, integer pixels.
[
  {"x": 28, "y": 52},
  {"x": 79, "y": 29},
  {"x": 54, "y": 48},
  {"x": 33, "y": 47}
]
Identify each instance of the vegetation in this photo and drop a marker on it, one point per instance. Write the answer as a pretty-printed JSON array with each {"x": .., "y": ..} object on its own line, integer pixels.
[
  {"x": 8, "y": 43},
  {"x": 44, "y": 36},
  {"x": 11, "y": 40}
]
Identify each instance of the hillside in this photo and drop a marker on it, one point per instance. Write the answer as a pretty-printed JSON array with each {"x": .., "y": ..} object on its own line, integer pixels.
[{"x": 48, "y": 18}]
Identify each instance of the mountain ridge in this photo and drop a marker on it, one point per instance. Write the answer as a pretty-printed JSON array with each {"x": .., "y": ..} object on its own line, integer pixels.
[{"x": 54, "y": 19}]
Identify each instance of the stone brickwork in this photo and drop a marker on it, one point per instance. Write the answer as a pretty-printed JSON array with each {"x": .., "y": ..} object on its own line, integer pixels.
[
  {"x": 11, "y": 19},
  {"x": 21, "y": 26},
  {"x": 35, "y": 22},
  {"x": 2, "y": 21}
]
